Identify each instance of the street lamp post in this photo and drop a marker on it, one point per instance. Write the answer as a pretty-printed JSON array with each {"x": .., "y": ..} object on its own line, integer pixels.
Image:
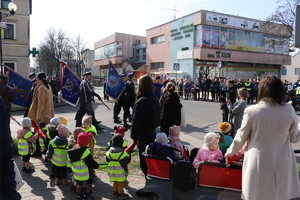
[{"x": 12, "y": 7}]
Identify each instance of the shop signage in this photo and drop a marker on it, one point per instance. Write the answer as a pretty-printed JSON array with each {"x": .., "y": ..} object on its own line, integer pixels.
[
  {"x": 220, "y": 54},
  {"x": 182, "y": 32},
  {"x": 232, "y": 21},
  {"x": 185, "y": 55}
]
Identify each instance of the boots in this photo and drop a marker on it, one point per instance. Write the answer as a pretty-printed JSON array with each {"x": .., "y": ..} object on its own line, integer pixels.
[
  {"x": 57, "y": 180},
  {"x": 66, "y": 182}
]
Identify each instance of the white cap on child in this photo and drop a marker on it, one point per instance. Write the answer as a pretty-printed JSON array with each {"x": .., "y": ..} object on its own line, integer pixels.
[
  {"x": 26, "y": 122},
  {"x": 210, "y": 137}
]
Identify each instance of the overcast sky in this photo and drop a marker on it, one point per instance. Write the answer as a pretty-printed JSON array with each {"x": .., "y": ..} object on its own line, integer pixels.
[{"x": 97, "y": 19}]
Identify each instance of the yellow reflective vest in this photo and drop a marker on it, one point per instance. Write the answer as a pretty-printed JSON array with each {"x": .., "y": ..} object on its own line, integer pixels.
[
  {"x": 59, "y": 157},
  {"x": 24, "y": 145},
  {"x": 116, "y": 172},
  {"x": 80, "y": 169},
  {"x": 94, "y": 131},
  {"x": 247, "y": 86},
  {"x": 298, "y": 90}
]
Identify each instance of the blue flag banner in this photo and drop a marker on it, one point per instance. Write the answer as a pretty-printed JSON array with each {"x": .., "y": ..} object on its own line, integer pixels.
[
  {"x": 69, "y": 86},
  {"x": 22, "y": 87},
  {"x": 114, "y": 85}
]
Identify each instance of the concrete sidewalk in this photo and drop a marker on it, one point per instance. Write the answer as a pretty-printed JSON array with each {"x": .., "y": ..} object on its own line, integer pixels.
[{"x": 39, "y": 186}]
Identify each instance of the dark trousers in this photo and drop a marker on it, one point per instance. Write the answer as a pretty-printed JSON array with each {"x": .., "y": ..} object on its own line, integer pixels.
[
  {"x": 85, "y": 109},
  {"x": 61, "y": 172},
  {"x": 143, "y": 142},
  {"x": 225, "y": 115},
  {"x": 206, "y": 93}
]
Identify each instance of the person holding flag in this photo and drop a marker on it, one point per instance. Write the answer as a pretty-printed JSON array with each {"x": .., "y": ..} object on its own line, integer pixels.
[{"x": 86, "y": 98}]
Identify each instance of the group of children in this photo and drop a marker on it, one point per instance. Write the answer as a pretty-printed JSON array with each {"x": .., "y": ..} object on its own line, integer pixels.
[
  {"x": 76, "y": 151},
  {"x": 215, "y": 146}
]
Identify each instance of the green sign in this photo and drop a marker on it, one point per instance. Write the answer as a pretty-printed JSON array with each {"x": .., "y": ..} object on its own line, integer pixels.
[{"x": 34, "y": 52}]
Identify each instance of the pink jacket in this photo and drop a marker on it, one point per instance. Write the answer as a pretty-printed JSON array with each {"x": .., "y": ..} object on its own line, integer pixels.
[
  {"x": 22, "y": 132},
  {"x": 204, "y": 154},
  {"x": 175, "y": 143}
]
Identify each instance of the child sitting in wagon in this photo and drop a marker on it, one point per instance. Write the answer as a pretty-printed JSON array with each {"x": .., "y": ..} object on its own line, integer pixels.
[{"x": 210, "y": 150}]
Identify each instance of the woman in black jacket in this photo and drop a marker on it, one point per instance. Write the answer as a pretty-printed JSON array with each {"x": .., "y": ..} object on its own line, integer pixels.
[
  {"x": 145, "y": 119},
  {"x": 171, "y": 110}
]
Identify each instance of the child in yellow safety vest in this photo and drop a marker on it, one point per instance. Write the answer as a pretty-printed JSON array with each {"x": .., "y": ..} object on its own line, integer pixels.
[
  {"x": 117, "y": 167},
  {"x": 57, "y": 152},
  {"x": 26, "y": 143},
  {"x": 89, "y": 128},
  {"x": 82, "y": 163}
]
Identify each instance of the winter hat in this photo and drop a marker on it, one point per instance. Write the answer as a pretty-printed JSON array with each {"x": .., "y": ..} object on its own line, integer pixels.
[
  {"x": 174, "y": 131},
  {"x": 62, "y": 130},
  {"x": 83, "y": 138},
  {"x": 117, "y": 140},
  {"x": 161, "y": 138},
  {"x": 225, "y": 128},
  {"x": 63, "y": 120},
  {"x": 157, "y": 77},
  {"x": 87, "y": 119},
  {"x": 26, "y": 122},
  {"x": 76, "y": 132},
  {"x": 120, "y": 129},
  {"x": 55, "y": 121},
  {"x": 210, "y": 137}
]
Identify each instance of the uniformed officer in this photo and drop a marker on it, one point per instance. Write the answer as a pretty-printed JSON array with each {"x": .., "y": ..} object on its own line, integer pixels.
[
  {"x": 120, "y": 104},
  {"x": 129, "y": 96},
  {"x": 86, "y": 98}
]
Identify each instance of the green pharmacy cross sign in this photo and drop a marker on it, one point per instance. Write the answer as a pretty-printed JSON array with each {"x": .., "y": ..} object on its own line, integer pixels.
[{"x": 34, "y": 52}]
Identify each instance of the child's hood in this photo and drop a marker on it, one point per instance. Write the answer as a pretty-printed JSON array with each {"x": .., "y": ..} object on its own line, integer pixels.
[
  {"x": 60, "y": 141},
  {"x": 76, "y": 152}
]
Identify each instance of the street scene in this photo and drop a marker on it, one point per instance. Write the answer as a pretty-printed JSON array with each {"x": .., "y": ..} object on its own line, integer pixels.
[{"x": 160, "y": 99}]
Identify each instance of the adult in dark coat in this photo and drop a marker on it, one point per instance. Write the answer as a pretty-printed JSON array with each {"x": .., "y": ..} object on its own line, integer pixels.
[
  {"x": 146, "y": 117},
  {"x": 231, "y": 93},
  {"x": 7, "y": 94},
  {"x": 207, "y": 85},
  {"x": 7, "y": 173},
  {"x": 171, "y": 110},
  {"x": 129, "y": 98},
  {"x": 55, "y": 88},
  {"x": 86, "y": 98}
]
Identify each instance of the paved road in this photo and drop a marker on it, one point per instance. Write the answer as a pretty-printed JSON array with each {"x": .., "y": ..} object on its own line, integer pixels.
[{"x": 201, "y": 117}]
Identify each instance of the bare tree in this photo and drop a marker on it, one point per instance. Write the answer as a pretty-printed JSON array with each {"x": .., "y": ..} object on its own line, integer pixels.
[
  {"x": 51, "y": 50},
  {"x": 285, "y": 14},
  {"x": 79, "y": 45}
]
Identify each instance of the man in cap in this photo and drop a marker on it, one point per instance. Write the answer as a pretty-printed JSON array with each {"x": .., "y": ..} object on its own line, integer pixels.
[
  {"x": 120, "y": 104},
  {"x": 32, "y": 76},
  {"x": 86, "y": 98},
  {"x": 129, "y": 97}
]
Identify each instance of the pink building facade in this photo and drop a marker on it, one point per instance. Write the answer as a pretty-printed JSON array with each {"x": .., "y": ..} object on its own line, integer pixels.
[{"x": 213, "y": 44}]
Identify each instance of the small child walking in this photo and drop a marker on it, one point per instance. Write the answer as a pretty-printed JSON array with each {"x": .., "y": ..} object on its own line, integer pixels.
[
  {"x": 117, "y": 167},
  {"x": 210, "y": 150},
  {"x": 82, "y": 164},
  {"x": 89, "y": 128},
  {"x": 57, "y": 152},
  {"x": 26, "y": 143}
]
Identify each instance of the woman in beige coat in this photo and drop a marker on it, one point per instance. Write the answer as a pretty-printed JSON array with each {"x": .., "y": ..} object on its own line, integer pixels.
[
  {"x": 42, "y": 109},
  {"x": 270, "y": 126}
]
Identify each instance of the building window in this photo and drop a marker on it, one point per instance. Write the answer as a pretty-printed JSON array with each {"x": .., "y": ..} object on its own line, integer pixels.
[
  {"x": 159, "y": 65},
  {"x": 137, "y": 57},
  {"x": 158, "y": 39},
  {"x": 144, "y": 57},
  {"x": 4, "y": 4},
  {"x": 144, "y": 50},
  {"x": 11, "y": 65},
  {"x": 10, "y": 31},
  {"x": 297, "y": 71}
]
